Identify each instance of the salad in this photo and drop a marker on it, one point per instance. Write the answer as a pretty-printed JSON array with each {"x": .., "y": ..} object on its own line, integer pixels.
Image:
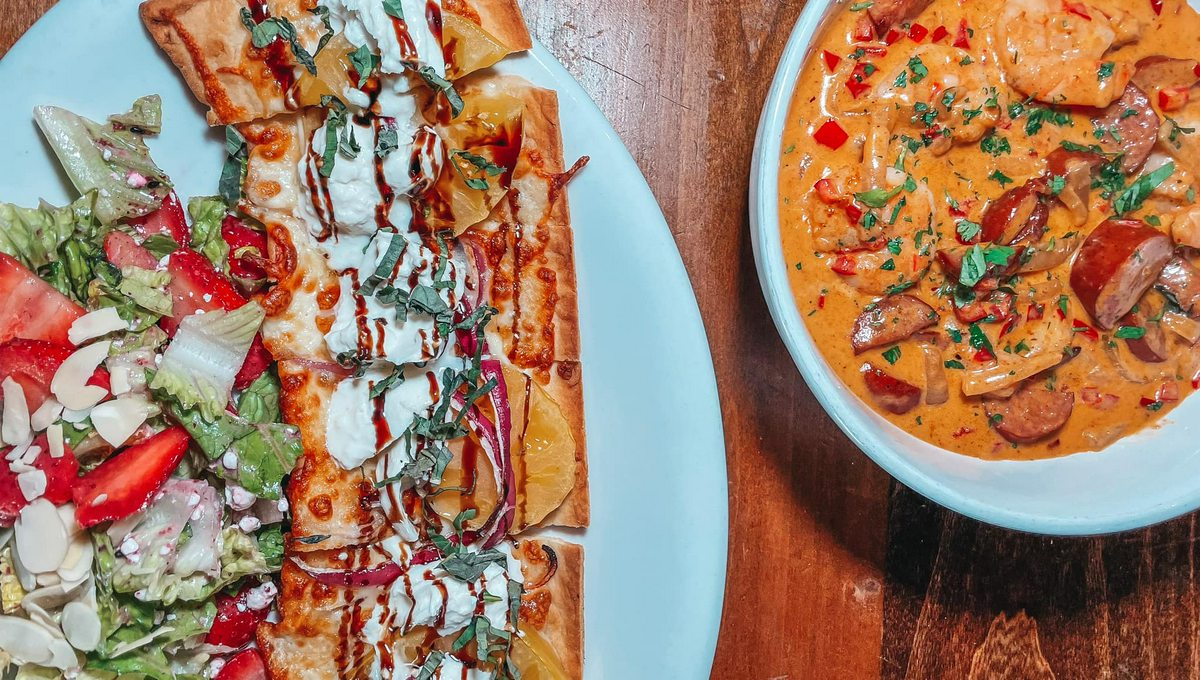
[{"x": 141, "y": 492}]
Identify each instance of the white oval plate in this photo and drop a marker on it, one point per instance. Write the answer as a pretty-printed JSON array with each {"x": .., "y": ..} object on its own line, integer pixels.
[
  {"x": 1146, "y": 478},
  {"x": 655, "y": 567}
]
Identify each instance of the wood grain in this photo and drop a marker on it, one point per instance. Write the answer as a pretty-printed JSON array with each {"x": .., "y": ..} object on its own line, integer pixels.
[{"x": 835, "y": 571}]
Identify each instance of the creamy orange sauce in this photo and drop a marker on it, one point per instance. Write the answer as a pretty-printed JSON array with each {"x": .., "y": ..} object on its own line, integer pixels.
[{"x": 1115, "y": 393}]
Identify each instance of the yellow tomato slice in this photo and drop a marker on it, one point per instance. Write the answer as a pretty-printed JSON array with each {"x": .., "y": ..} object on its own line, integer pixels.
[
  {"x": 535, "y": 658},
  {"x": 543, "y": 450},
  {"x": 469, "y": 469},
  {"x": 471, "y": 47}
]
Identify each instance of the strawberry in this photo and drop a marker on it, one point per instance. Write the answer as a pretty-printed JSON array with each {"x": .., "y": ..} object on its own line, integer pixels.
[
  {"x": 33, "y": 363},
  {"x": 124, "y": 484},
  {"x": 167, "y": 220},
  {"x": 235, "y": 622},
  {"x": 246, "y": 665},
  {"x": 247, "y": 248},
  {"x": 30, "y": 307},
  {"x": 123, "y": 251},
  {"x": 61, "y": 474},
  {"x": 197, "y": 285}
]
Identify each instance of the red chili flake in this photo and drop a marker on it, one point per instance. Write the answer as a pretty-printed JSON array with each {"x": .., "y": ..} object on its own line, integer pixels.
[
  {"x": 917, "y": 32},
  {"x": 1157, "y": 6},
  {"x": 1035, "y": 312},
  {"x": 821, "y": 302},
  {"x": 856, "y": 88},
  {"x": 1009, "y": 325},
  {"x": 916, "y": 262},
  {"x": 939, "y": 33},
  {"x": 831, "y": 135},
  {"x": 831, "y": 60},
  {"x": 844, "y": 265},
  {"x": 1060, "y": 312},
  {"x": 853, "y": 212},
  {"x": 1081, "y": 327},
  {"x": 961, "y": 432},
  {"x": 892, "y": 36},
  {"x": 962, "y": 39},
  {"x": 1077, "y": 9}
]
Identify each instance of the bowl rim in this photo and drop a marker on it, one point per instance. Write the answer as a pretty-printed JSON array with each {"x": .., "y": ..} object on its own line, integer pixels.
[{"x": 859, "y": 426}]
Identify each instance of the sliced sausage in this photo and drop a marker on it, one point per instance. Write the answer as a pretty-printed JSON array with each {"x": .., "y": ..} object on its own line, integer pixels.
[
  {"x": 1117, "y": 263},
  {"x": 1152, "y": 346},
  {"x": 891, "y": 393},
  {"x": 890, "y": 320},
  {"x": 887, "y": 13},
  {"x": 1032, "y": 413},
  {"x": 1135, "y": 133},
  {"x": 1017, "y": 216},
  {"x": 1166, "y": 73},
  {"x": 1181, "y": 280}
]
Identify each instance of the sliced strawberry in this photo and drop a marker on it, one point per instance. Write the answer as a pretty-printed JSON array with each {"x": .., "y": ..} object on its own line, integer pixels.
[
  {"x": 61, "y": 475},
  {"x": 247, "y": 665},
  {"x": 32, "y": 308},
  {"x": 247, "y": 248},
  {"x": 123, "y": 251},
  {"x": 197, "y": 285},
  {"x": 168, "y": 220},
  {"x": 236, "y": 621},
  {"x": 124, "y": 484},
  {"x": 33, "y": 363}
]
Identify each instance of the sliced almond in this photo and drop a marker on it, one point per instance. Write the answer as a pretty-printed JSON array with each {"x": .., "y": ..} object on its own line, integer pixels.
[
  {"x": 15, "y": 428},
  {"x": 41, "y": 537},
  {"x": 54, "y": 437},
  {"x": 81, "y": 625},
  {"x": 118, "y": 419},
  {"x": 18, "y": 452},
  {"x": 63, "y": 655},
  {"x": 46, "y": 415},
  {"x": 25, "y": 641},
  {"x": 77, "y": 565},
  {"x": 118, "y": 379},
  {"x": 75, "y": 417},
  {"x": 95, "y": 324},
  {"x": 69, "y": 384},
  {"x": 32, "y": 484}
]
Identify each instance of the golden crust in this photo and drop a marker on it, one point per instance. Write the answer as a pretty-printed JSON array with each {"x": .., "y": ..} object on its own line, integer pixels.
[
  {"x": 303, "y": 645},
  {"x": 502, "y": 20},
  {"x": 210, "y": 46},
  {"x": 556, "y": 608}
]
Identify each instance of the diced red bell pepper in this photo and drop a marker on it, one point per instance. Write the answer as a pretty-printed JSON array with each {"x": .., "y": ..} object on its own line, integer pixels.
[
  {"x": 826, "y": 192},
  {"x": 831, "y": 60},
  {"x": 917, "y": 32},
  {"x": 1157, "y": 6},
  {"x": 940, "y": 33},
  {"x": 892, "y": 36},
  {"x": 1077, "y": 9},
  {"x": 855, "y": 87},
  {"x": 853, "y": 212},
  {"x": 831, "y": 134},
  {"x": 30, "y": 307},
  {"x": 845, "y": 265},
  {"x": 983, "y": 356},
  {"x": 1035, "y": 312},
  {"x": 1083, "y": 328},
  {"x": 61, "y": 475},
  {"x": 864, "y": 30},
  {"x": 125, "y": 483},
  {"x": 1173, "y": 98},
  {"x": 962, "y": 37}
]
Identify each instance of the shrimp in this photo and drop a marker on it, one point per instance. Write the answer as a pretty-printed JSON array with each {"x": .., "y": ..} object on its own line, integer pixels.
[
  {"x": 884, "y": 238},
  {"x": 1053, "y": 51},
  {"x": 940, "y": 96}
]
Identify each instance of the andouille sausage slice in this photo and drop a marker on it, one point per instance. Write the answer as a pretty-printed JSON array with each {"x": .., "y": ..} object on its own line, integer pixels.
[
  {"x": 891, "y": 393},
  {"x": 887, "y": 13},
  {"x": 1151, "y": 346},
  {"x": 1181, "y": 280},
  {"x": 1131, "y": 127},
  {"x": 1117, "y": 263},
  {"x": 890, "y": 320},
  {"x": 1032, "y": 413},
  {"x": 1018, "y": 216}
]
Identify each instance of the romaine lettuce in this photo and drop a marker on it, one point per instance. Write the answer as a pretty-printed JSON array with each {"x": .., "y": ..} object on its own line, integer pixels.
[
  {"x": 111, "y": 158},
  {"x": 208, "y": 212},
  {"x": 33, "y": 235}
]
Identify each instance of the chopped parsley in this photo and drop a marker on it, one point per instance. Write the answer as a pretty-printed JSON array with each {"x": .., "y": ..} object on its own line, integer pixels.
[
  {"x": 1130, "y": 332},
  {"x": 995, "y": 144},
  {"x": 892, "y": 354},
  {"x": 1133, "y": 197},
  {"x": 1000, "y": 177},
  {"x": 919, "y": 71},
  {"x": 1105, "y": 71}
]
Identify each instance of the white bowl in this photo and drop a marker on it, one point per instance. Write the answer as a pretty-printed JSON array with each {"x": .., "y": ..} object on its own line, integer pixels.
[{"x": 1142, "y": 479}]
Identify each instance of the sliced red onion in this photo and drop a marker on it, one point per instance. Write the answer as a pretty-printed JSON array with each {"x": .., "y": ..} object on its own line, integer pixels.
[
  {"x": 494, "y": 438},
  {"x": 482, "y": 273},
  {"x": 377, "y": 575}
]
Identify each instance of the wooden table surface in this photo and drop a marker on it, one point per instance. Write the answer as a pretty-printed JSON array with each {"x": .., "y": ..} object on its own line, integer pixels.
[{"x": 835, "y": 571}]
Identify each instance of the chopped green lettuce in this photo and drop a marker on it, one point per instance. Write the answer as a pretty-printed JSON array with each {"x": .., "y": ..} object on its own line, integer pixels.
[
  {"x": 200, "y": 364},
  {"x": 265, "y": 452},
  {"x": 208, "y": 212},
  {"x": 147, "y": 289},
  {"x": 34, "y": 235},
  {"x": 110, "y": 158},
  {"x": 259, "y": 403}
]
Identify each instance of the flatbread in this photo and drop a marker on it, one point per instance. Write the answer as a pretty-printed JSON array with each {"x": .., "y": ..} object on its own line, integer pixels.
[{"x": 556, "y": 608}]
